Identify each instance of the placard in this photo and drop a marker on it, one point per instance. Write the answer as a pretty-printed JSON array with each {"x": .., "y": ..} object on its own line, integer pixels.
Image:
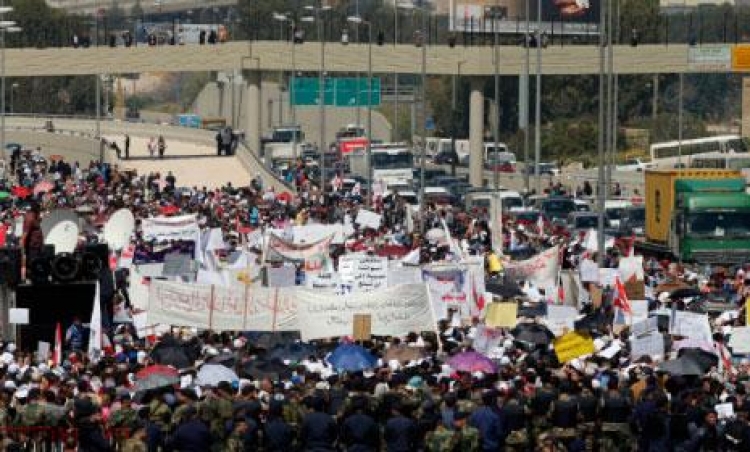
[
  {"x": 589, "y": 271},
  {"x": 281, "y": 276},
  {"x": 652, "y": 344},
  {"x": 176, "y": 264},
  {"x": 561, "y": 319},
  {"x": 739, "y": 341},
  {"x": 362, "y": 327},
  {"x": 42, "y": 351},
  {"x": 645, "y": 326},
  {"x": 18, "y": 316},
  {"x": 501, "y": 315},
  {"x": 724, "y": 410},
  {"x": 368, "y": 219},
  {"x": 691, "y": 325},
  {"x": 364, "y": 273},
  {"x": 573, "y": 345},
  {"x": 635, "y": 289}
]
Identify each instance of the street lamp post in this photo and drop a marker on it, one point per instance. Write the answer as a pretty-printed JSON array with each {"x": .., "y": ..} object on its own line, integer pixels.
[
  {"x": 290, "y": 83},
  {"x": 538, "y": 100},
  {"x": 6, "y": 26},
  {"x": 358, "y": 20},
  {"x": 317, "y": 17},
  {"x": 13, "y": 88},
  {"x": 423, "y": 151},
  {"x": 454, "y": 115},
  {"x": 496, "y": 120}
]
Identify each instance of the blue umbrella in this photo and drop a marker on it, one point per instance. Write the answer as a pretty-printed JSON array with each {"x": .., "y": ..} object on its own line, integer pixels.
[{"x": 351, "y": 358}]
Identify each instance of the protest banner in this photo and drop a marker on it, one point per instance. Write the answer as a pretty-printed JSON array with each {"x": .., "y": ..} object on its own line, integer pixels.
[
  {"x": 155, "y": 253},
  {"x": 589, "y": 271},
  {"x": 501, "y": 315},
  {"x": 404, "y": 274},
  {"x": 393, "y": 311},
  {"x": 541, "y": 270},
  {"x": 449, "y": 288},
  {"x": 168, "y": 229},
  {"x": 486, "y": 339},
  {"x": 573, "y": 345},
  {"x": 368, "y": 219},
  {"x": 739, "y": 342},
  {"x": 651, "y": 344},
  {"x": 690, "y": 325},
  {"x": 561, "y": 319},
  {"x": 364, "y": 273},
  {"x": 313, "y": 255}
]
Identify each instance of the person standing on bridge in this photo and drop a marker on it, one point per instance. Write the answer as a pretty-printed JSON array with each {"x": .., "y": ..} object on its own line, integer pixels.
[
  {"x": 162, "y": 146},
  {"x": 127, "y": 146},
  {"x": 151, "y": 147}
]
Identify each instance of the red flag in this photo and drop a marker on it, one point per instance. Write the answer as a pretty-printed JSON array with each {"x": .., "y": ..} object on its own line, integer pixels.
[
  {"x": 478, "y": 298},
  {"x": 621, "y": 297},
  {"x": 57, "y": 352}
]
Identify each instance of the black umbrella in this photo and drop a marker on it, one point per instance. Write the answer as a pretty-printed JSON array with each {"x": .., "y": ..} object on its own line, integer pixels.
[
  {"x": 273, "y": 369},
  {"x": 533, "y": 333},
  {"x": 225, "y": 359},
  {"x": 681, "y": 366},
  {"x": 532, "y": 310},
  {"x": 593, "y": 322},
  {"x": 268, "y": 340},
  {"x": 685, "y": 292},
  {"x": 705, "y": 360},
  {"x": 293, "y": 352},
  {"x": 171, "y": 354},
  {"x": 507, "y": 289}
]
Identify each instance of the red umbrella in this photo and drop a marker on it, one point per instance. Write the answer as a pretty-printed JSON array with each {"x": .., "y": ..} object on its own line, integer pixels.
[
  {"x": 43, "y": 187},
  {"x": 169, "y": 209},
  {"x": 21, "y": 192},
  {"x": 392, "y": 251},
  {"x": 156, "y": 376}
]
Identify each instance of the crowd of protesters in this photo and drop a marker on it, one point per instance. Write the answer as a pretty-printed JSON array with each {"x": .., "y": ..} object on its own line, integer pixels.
[{"x": 531, "y": 403}]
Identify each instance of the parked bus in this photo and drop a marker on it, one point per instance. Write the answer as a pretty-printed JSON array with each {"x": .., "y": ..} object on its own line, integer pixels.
[
  {"x": 718, "y": 160},
  {"x": 670, "y": 153}
]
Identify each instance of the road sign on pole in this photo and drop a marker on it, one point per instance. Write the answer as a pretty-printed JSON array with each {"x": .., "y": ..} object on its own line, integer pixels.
[{"x": 339, "y": 92}]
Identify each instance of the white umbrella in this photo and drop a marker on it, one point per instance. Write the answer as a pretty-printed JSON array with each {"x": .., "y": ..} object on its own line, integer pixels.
[
  {"x": 213, "y": 374},
  {"x": 435, "y": 235}
]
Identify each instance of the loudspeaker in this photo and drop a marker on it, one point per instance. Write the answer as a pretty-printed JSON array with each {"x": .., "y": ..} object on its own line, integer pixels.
[
  {"x": 39, "y": 269},
  {"x": 100, "y": 250},
  {"x": 65, "y": 267},
  {"x": 10, "y": 266}
]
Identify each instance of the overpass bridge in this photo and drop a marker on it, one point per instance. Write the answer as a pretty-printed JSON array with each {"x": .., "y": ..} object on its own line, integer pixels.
[{"x": 256, "y": 57}]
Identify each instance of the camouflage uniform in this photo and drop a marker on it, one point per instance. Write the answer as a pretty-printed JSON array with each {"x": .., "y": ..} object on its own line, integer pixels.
[
  {"x": 125, "y": 417},
  {"x": 179, "y": 414},
  {"x": 134, "y": 445},
  {"x": 468, "y": 439},
  {"x": 293, "y": 412},
  {"x": 235, "y": 443},
  {"x": 159, "y": 413},
  {"x": 32, "y": 415},
  {"x": 215, "y": 412},
  {"x": 440, "y": 440}
]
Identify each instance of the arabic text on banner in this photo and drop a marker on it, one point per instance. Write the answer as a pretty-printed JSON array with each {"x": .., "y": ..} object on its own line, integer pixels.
[
  {"x": 449, "y": 288},
  {"x": 394, "y": 311},
  {"x": 541, "y": 270}
]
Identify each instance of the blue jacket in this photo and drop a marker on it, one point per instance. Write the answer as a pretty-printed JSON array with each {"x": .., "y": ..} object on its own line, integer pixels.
[{"x": 490, "y": 427}]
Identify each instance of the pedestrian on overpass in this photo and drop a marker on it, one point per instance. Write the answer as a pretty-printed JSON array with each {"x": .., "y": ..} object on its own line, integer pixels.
[
  {"x": 151, "y": 147},
  {"x": 162, "y": 146},
  {"x": 127, "y": 146}
]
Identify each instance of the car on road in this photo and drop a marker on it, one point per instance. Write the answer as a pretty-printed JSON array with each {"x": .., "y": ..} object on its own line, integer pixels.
[
  {"x": 633, "y": 222},
  {"x": 583, "y": 221},
  {"x": 634, "y": 164},
  {"x": 545, "y": 169},
  {"x": 557, "y": 207}
]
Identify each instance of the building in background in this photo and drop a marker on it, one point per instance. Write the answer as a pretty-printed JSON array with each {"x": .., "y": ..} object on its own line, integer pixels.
[
  {"x": 89, "y": 7},
  {"x": 677, "y": 6}
]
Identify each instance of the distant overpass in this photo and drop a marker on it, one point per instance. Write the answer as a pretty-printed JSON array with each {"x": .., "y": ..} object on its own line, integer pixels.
[{"x": 276, "y": 56}]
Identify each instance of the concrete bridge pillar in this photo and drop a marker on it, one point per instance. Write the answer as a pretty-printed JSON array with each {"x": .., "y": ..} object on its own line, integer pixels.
[
  {"x": 745, "y": 123},
  {"x": 253, "y": 107},
  {"x": 476, "y": 133}
]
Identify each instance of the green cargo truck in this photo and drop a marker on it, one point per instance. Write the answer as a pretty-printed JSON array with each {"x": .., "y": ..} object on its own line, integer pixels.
[{"x": 697, "y": 216}]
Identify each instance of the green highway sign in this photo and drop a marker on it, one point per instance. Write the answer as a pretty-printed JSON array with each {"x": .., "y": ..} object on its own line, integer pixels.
[{"x": 339, "y": 92}]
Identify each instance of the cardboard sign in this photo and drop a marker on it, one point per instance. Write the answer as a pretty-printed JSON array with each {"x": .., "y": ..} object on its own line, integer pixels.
[
  {"x": 690, "y": 325},
  {"x": 501, "y": 315},
  {"x": 651, "y": 345},
  {"x": 645, "y": 326},
  {"x": 739, "y": 342},
  {"x": 573, "y": 345},
  {"x": 18, "y": 316},
  {"x": 362, "y": 327},
  {"x": 635, "y": 289},
  {"x": 42, "y": 351},
  {"x": 561, "y": 319}
]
